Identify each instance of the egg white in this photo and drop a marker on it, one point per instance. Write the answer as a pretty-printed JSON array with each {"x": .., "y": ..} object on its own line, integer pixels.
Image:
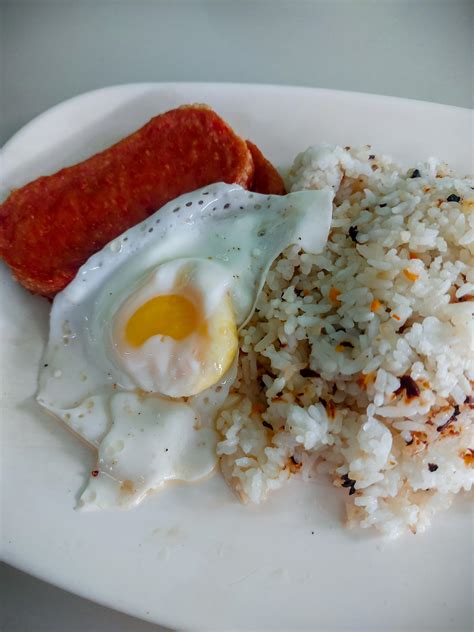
[{"x": 82, "y": 383}]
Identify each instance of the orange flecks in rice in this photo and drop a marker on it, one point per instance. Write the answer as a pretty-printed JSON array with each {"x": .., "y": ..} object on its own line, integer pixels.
[
  {"x": 375, "y": 305},
  {"x": 331, "y": 409},
  {"x": 340, "y": 348},
  {"x": 365, "y": 379},
  {"x": 396, "y": 316},
  {"x": 420, "y": 436},
  {"x": 467, "y": 205},
  {"x": 334, "y": 294},
  {"x": 413, "y": 255},
  {"x": 468, "y": 457},
  {"x": 359, "y": 185},
  {"x": 451, "y": 431},
  {"x": 419, "y": 442},
  {"x": 258, "y": 408},
  {"x": 293, "y": 466},
  {"x": 450, "y": 428},
  {"x": 411, "y": 276}
]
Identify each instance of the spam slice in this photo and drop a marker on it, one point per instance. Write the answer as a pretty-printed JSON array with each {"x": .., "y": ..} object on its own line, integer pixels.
[
  {"x": 51, "y": 226},
  {"x": 266, "y": 178}
]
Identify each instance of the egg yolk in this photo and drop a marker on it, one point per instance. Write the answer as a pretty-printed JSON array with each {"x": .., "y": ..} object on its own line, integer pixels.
[
  {"x": 173, "y": 346},
  {"x": 170, "y": 315}
]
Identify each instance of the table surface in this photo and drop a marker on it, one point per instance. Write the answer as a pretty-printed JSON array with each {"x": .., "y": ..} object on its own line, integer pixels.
[{"x": 50, "y": 51}]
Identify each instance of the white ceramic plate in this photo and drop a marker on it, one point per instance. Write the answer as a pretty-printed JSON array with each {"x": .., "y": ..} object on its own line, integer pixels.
[{"x": 192, "y": 556}]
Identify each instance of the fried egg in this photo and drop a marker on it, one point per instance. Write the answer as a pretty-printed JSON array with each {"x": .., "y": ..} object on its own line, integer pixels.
[{"x": 143, "y": 342}]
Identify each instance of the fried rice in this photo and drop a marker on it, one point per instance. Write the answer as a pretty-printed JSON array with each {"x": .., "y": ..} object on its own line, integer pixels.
[{"x": 358, "y": 363}]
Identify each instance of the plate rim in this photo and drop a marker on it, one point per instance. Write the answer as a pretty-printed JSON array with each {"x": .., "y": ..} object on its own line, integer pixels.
[{"x": 232, "y": 85}]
